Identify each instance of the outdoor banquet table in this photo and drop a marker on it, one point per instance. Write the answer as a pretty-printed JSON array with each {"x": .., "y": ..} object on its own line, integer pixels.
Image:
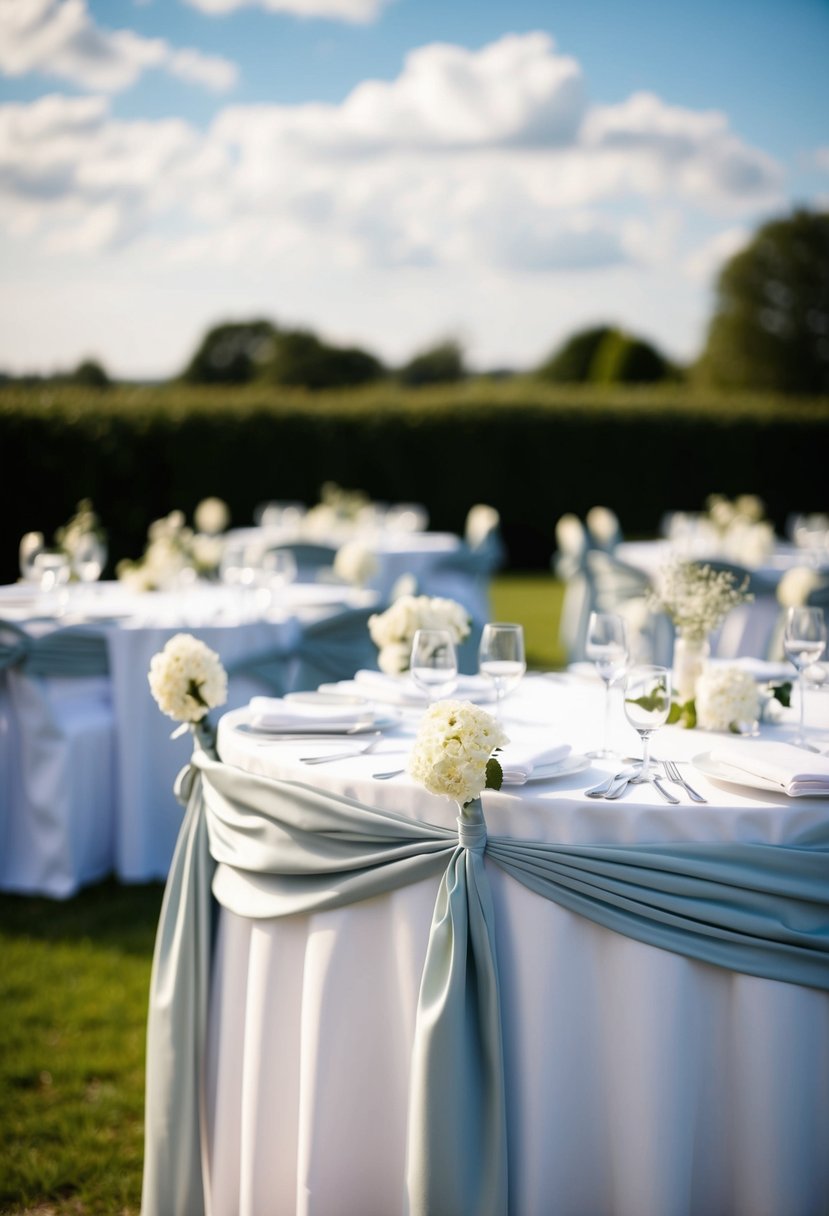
[
  {"x": 87, "y": 765},
  {"x": 640, "y": 1077}
]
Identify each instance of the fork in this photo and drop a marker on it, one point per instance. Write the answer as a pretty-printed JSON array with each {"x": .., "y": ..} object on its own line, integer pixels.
[{"x": 673, "y": 774}]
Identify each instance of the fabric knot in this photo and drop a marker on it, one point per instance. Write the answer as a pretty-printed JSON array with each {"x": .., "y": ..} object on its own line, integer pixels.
[{"x": 472, "y": 833}]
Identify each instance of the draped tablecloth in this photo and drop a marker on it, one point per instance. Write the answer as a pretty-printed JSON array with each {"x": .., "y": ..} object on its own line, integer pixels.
[
  {"x": 87, "y": 766},
  {"x": 584, "y": 1007}
]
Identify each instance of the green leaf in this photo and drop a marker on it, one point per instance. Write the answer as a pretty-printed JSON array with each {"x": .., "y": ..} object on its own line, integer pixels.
[
  {"x": 494, "y": 774},
  {"x": 650, "y": 701},
  {"x": 782, "y": 693},
  {"x": 683, "y": 713}
]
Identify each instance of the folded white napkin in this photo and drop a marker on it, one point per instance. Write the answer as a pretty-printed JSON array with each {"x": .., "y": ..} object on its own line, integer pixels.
[
  {"x": 275, "y": 713},
  {"x": 798, "y": 773},
  {"x": 520, "y": 760},
  {"x": 402, "y": 690}
]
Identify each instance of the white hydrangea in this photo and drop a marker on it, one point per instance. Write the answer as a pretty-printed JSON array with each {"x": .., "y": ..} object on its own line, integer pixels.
[
  {"x": 725, "y": 698},
  {"x": 480, "y": 521},
  {"x": 187, "y": 678},
  {"x": 455, "y": 741},
  {"x": 354, "y": 563},
  {"x": 392, "y": 631},
  {"x": 211, "y": 516},
  {"x": 797, "y": 585}
]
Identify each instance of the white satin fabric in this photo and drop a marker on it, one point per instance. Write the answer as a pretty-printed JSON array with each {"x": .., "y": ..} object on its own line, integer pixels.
[{"x": 640, "y": 1083}]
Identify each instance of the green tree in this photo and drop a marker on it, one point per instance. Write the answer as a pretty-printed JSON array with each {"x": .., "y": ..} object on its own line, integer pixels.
[
  {"x": 622, "y": 359},
  {"x": 770, "y": 326},
  {"x": 440, "y": 364},
  {"x": 300, "y": 358},
  {"x": 570, "y": 363},
  {"x": 90, "y": 373},
  {"x": 232, "y": 353}
]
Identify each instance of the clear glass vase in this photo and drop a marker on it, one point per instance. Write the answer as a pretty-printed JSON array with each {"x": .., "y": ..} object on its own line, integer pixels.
[{"x": 691, "y": 653}]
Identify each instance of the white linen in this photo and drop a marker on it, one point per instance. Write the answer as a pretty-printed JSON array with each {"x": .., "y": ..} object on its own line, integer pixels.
[
  {"x": 639, "y": 1082},
  {"x": 402, "y": 690},
  {"x": 798, "y": 772},
  {"x": 520, "y": 759},
  {"x": 279, "y": 713}
]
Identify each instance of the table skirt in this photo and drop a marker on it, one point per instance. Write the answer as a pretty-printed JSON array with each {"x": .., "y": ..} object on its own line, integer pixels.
[{"x": 639, "y": 1082}]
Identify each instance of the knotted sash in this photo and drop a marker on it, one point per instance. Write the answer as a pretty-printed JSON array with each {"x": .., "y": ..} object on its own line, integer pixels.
[
  {"x": 275, "y": 848},
  {"x": 69, "y": 652}
]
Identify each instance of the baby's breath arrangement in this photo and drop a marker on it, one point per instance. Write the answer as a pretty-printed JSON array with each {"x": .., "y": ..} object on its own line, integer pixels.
[{"x": 696, "y": 597}]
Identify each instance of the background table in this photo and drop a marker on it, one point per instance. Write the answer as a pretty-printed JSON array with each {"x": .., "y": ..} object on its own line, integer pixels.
[
  {"x": 639, "y": 1081},
  {"x": 87, "y": 765}
]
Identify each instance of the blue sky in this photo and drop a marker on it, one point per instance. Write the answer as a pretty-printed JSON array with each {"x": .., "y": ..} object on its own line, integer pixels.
[{"x": 391, "y": 172}]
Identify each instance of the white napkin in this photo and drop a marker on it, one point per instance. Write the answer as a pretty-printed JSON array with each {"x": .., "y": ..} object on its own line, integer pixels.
[
  {"x": 402, "y": 690},
  {"x": 274, "y": 713},
  {"x": 798, "y": 773},
  {"x": 520, "y": 760}
]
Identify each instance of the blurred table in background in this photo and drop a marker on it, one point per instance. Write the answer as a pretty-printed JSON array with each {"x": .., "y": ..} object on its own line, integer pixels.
[{"x": 87, "y": 766}]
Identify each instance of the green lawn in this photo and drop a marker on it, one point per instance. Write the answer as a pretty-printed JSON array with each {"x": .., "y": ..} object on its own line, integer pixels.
[{"x": 74, "y": 977}]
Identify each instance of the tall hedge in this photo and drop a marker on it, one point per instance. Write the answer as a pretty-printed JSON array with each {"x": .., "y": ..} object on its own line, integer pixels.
[{"x": 533, "y": 451}]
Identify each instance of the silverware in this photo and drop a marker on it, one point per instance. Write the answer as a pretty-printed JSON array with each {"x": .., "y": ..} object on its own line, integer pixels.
[
  {"x": 618, "y": 789},
  {"x": 600, "y": 790},
  {"x": 395, "y": 772},
  {"x": 665, "y": 793},
  {"x": 673, "y": 774}
]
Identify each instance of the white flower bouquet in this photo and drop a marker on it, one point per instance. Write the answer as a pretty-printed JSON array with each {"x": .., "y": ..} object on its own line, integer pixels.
[
  {"x": 453, "y": 752},
  {"x": 392, "y": 631},
  {"x": 187, "y": 679},
  {"x": 356, "y": 564},
  {"x": 696, "y": 597},
  {"x": 727, "y": 699}
]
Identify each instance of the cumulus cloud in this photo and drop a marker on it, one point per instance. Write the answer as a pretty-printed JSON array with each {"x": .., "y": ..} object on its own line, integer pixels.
[
  {"x": 492, "y": 157},
  {"x": 704, "y": 263},
  {"x": 60, "y": 38},
  {"x": 356, "y": 11}
]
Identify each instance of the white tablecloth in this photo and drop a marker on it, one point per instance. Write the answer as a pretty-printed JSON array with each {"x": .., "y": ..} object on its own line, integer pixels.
[
  {"x": 87, "y": 765},
  {"x": 639, "y": 1082}
]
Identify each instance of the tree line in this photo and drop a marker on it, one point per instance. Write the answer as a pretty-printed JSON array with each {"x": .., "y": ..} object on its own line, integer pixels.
[{"x": 769, "y": 330}]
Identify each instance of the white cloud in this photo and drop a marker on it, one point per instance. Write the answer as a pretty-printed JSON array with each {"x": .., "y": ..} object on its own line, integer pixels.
[
  {"x": 704, "y": 263},
  {"x": 468, "y": 159},
  {"x": 357, "y": 11},
  {"x": 59, "y": 38},
  {"x": 820, "y": 159}
]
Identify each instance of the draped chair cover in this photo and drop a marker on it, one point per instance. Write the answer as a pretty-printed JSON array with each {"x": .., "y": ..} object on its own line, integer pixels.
[
  {"x": 266, "y": 848},
  {"x": 323, "y": 652},
  {"x": 749, "y": 628},
  {"x": 57, "y": 760},
  {"x": 620, "y": 588},
  {"x": 568, "y": 565}
]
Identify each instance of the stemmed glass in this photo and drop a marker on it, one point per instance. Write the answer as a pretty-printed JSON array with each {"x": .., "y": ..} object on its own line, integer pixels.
[
  {"x": 607, "y": 646},
  {"x": 31, "y": 543},
  {"x": 804, "y": 641},
  {"x": 52, "y": 571},
  {"x": 89, "y": 555},
  {"x": 501, "y": 658},
  {"x": 433, "y": 664},
  {"x": 647, "y": 705}
]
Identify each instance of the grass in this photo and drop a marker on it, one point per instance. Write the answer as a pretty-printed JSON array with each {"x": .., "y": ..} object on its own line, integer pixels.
[{"x": 73, "y": 993}]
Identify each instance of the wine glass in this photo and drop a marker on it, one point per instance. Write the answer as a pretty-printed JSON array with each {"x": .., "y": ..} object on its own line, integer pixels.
[
  {"x": 89, "y": 555},
  {"x": 31, "y": 543},
  {"x": 606, "y": 645},
  {"x": 501, "y": 658},
  {"x": 52, "y": 571},
  {"x": 804, "y": 641},
  {"x": 433, "y": 664},
  {"x": 647, "y": 705}
]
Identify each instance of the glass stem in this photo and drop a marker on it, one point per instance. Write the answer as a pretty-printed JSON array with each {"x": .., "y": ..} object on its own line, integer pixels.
[
  {"x": 646, "y": 755},
  {"x": 607, "y": 716},
  {"x": 802, "y": 683}
]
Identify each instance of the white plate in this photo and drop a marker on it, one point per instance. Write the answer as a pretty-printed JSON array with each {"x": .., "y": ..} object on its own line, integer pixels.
[
  {"x": 549, "y": 772},
  {"x": 358, "y": 727},
  {"x": 733, "y": 776}
]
